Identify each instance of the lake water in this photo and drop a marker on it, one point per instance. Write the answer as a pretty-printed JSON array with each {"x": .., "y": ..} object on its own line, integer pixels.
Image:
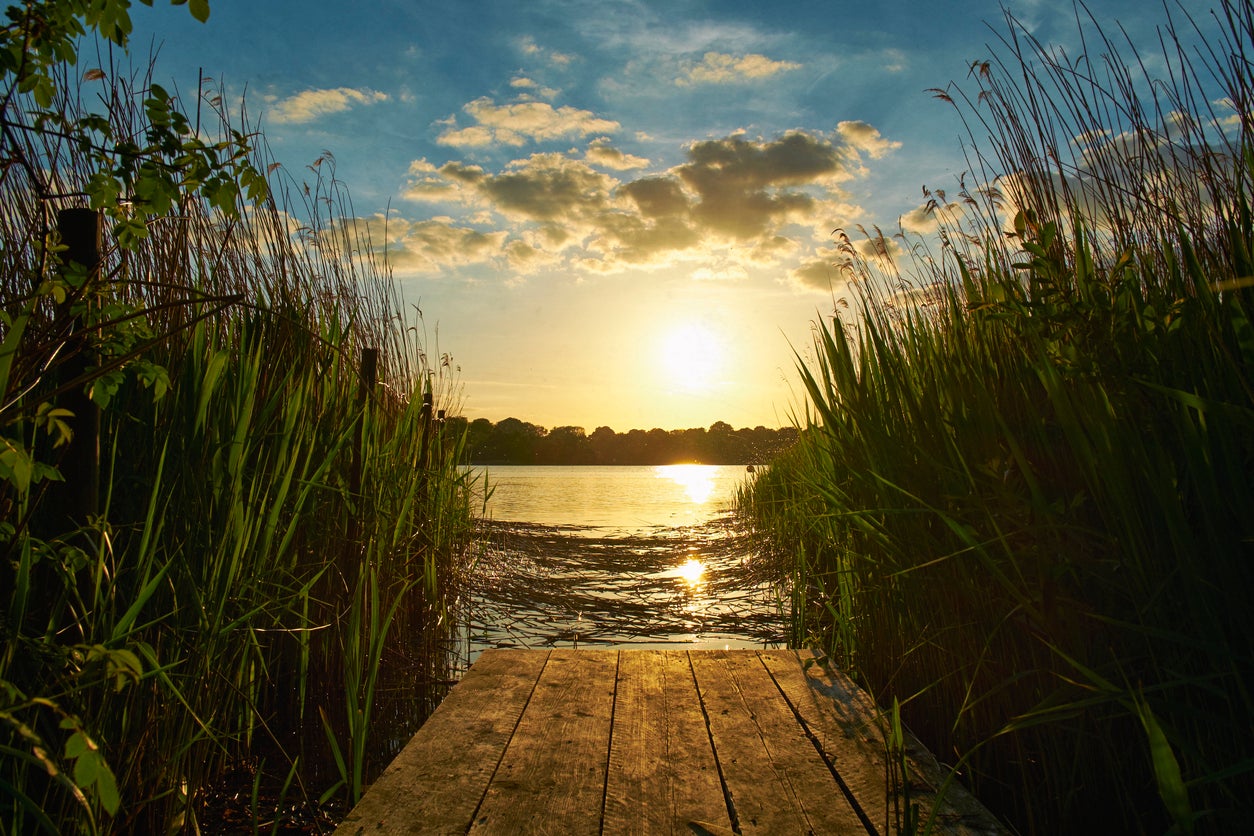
[{"x": 640, "y": 557}]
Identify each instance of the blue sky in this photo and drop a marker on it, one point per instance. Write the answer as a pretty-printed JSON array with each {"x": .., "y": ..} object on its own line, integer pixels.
[{"x": 613, "y": 213}]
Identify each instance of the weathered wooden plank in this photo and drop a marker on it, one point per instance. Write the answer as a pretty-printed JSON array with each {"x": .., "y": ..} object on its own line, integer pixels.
[
  {"x": 842, "y": 720},
  {"x": 551, "y": 778},
  {"x": 436, "y": 782},
  {"x": 849, "y": 728},
  {"x": 776, "y": 779},
  {"x": 655, "y": 742},
  {"x": 662, "y": 774}
]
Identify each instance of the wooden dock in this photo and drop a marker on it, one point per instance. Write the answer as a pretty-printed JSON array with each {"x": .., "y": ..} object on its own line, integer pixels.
[{"x": 674, "y": 742}]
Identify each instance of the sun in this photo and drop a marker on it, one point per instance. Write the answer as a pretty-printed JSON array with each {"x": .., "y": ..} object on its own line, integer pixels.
[{"x": 692, "y": 356}]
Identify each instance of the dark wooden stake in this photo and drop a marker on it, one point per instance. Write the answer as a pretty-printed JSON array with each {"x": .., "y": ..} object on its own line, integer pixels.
[
  {"x": 424, "y": 418},
  {"x": 80, "y": 230}
]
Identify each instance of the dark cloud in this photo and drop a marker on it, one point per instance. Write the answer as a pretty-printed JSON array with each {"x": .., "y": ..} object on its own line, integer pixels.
[
  {"x": 635, "y": 240},
  {"x": 741, "y": 187},
  {"x": 432, "y": 245},
  {"x": 794, "y": 159},
  {"x": 469, "y": 174},
  {"x": 547, "y": 187},
  {"x": 826, "y": 272},
  {"x": 657, "y": 197}
]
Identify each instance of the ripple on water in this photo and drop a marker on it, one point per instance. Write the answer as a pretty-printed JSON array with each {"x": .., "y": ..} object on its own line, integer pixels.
[{"x": 550, "y": 586}]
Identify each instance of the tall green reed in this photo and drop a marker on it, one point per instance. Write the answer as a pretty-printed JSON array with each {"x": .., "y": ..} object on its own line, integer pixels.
[
  {"x": 1022, "y": 492},
  {"x": 272, "y": 540}
]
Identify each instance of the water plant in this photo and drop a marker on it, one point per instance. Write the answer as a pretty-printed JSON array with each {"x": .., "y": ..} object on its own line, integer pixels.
[
  {"x": 278, "y": 523},
  {"x": 1020, "y": 505}
]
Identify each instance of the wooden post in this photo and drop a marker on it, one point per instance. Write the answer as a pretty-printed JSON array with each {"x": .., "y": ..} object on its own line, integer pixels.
[
  {"x": 439, "y": 439},
  {"x": 425, "y": 419},
  {"x": 80, "y": 230}
]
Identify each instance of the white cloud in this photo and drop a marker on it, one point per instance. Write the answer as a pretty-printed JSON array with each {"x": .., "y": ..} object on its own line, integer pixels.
[
  {"x": 894, "y": 60},
  {"x": 516, "y": 124},
  {"x": 311, "y": 104},
  {"x": 602, "y": 153},
  {"x": 531, "y": 49},
  {"x": 866, "y": 139},
  {"x": 721, "y": 68},
  {"x": 476, "y": 136},
  {"x": 532, "y": 88},
  {"x": 721, "y": 272}
]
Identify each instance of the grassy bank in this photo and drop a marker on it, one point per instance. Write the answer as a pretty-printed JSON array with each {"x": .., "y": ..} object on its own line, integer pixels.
[
  {"x": 269, "y": 564},
  {"x": 1021, "y": 502}
]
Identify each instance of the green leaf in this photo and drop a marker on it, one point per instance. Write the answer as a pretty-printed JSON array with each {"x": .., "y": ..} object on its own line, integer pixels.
[
  {"x": 124, "y": 666},
  {"x": 103, "y": 189},
  {"x": 254, "y": 183},
  {"x": 199, "y": 9},
  {"x": 16, "y": 466},
  {"x": 105, "y": 387},
  {"x": 78, "y": 745},
  {"x": 86, "y": 766},
  {"x": 43, "y": 91},
  {"x": 129, "y": 232},
  {"x": 107, "y": 789},
  {"x": 153, "y": 377},
  {"x": 1171, "y": 788}
]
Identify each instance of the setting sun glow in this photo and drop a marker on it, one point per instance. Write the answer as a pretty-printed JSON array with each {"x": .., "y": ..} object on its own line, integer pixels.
[{"x": 692, "y": 357}]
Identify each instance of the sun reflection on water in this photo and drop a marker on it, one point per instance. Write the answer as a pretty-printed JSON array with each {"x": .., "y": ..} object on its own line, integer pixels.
[
  {"x": 697, "y": 480},
  {"x": 692, "y": 572}
]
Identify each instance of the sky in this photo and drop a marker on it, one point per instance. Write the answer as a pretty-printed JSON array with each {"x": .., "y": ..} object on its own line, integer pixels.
[{"x": 614, "y": 213}]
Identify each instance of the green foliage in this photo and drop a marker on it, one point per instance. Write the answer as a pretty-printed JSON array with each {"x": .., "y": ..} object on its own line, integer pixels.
[
  {"x": 1020, "y": 505},
  {"x": 135, "y": 176},
  {"x": 271, "y": 537}
]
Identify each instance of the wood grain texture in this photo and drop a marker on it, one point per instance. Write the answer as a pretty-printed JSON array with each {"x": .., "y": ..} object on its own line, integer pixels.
[
  {"x": 663, "y": 775},
  {"x": 655, "y": 742},
  {"x": 552, "y": 776},
  {"x": 436, "y": 782},
  {"x": 850, "y": 730},
  {"x": 777, "y": 781}
]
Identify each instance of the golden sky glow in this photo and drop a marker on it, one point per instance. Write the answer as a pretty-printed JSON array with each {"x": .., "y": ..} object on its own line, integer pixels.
[{"x": 692, "y": 356}]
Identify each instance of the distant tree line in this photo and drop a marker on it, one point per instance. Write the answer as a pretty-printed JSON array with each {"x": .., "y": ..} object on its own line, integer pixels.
[{"x": 512, "y": 441}]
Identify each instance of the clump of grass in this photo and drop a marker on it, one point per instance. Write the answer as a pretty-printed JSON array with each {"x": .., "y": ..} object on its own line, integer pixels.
[
  {"x": 276, "y": 542},
  {"x": 1021, "y": 501}
]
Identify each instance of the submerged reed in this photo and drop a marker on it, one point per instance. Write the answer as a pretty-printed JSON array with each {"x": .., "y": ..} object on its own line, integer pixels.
[
  {"x": 1020, "y": 505},
  {"x": 277, "y": 541}
]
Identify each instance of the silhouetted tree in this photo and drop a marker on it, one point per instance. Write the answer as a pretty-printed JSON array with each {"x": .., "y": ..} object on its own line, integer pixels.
[
  {"x": 565, "y": 445},
  {"x": 605, "y": 446},
  {"x": 516, "y": 442}
]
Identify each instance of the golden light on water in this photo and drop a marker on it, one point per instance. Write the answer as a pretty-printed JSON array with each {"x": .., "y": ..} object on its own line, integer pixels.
[
  {"x": 692, "y": 572},
  {"x": 697, "y": 480}
]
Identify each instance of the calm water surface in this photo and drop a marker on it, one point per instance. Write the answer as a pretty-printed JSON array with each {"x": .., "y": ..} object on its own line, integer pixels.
[{"x": 638, "y": 557}]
